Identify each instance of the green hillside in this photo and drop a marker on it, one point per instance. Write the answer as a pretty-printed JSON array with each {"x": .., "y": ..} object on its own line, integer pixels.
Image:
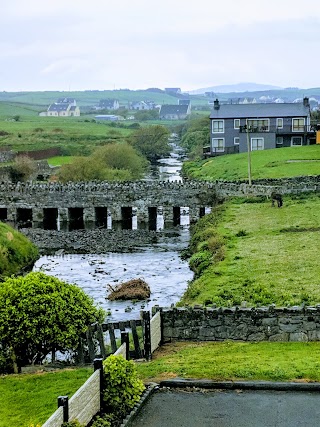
[{"x": 276, "y": 163}]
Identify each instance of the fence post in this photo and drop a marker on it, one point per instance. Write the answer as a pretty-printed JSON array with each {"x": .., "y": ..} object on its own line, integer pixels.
[
  {"x": 146, "y": 334},
  {"x": 125, "y": 339},
  {"x": 64, "y": 402},
  {"x": 98, "y": 364}
]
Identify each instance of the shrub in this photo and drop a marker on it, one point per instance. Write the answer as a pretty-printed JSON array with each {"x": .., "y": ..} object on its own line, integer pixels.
[
  {"x": 101, "y": 422},
  {"x": 123, "y": 388},
  {"x": 73, "y": 423},
  {"x": 200, "y": 261}
]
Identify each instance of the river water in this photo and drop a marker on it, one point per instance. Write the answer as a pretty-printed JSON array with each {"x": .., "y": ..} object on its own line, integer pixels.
[{"x": 159, "y": 264}]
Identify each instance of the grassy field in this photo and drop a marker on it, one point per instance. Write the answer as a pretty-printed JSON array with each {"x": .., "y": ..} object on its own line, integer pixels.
[
  {"x": 234, "y": 361},
  {"x": 32, "y": 398},
  {"x": 268, "y": 255},
  {"x": 276, "y": 163}
]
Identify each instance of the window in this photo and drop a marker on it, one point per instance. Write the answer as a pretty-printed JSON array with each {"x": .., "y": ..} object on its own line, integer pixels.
[
  {"x": 236, "y": 140},
  {"x": 296, "y": 141},
  {"x": 279, "y": 140},
  {"x": 237, "y": 123},
  {"x": 279, "y": 123},
  {"x": 217, "y": 126},
  {"x": 218, "y": 145},
  {"x": 298, "y": 124},
  {"x": 258, "y": 125},
  {"x": 257, "y": 144}
]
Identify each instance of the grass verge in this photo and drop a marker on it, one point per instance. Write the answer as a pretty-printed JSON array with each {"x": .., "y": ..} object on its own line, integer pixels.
[
  {"x": 268, "y": 361},
  {"x": 257, "y": 253},
  {"x": 32, "y": 398}
]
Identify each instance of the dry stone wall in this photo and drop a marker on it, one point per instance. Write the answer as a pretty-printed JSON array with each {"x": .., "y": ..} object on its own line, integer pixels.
[{"x": 246, "y": 324}]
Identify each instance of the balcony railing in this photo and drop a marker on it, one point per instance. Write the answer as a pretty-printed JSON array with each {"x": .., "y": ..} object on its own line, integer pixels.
[{"x": 274, "y": 129}]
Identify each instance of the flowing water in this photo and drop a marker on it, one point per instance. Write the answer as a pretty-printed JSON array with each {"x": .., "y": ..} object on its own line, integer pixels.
[{"x": 159, "y": 265}]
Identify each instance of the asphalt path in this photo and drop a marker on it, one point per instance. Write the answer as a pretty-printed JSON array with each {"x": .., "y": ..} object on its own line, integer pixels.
[{"x": 229, "y": 408}]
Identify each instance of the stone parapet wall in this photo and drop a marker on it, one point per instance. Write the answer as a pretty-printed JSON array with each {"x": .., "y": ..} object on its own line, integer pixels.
[{"x": 245, "y": 324}]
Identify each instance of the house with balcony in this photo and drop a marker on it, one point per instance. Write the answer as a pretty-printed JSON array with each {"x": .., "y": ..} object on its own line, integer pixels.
[{"x": 262, "y": 126}]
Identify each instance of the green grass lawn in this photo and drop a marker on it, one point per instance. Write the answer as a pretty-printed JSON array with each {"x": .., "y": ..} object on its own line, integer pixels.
[
  {"x": 234, "y": 361},
  {"x": 32, "y": 398},
  {"x": 271, "y": 255},
  {"x": 276, "y": 163}
]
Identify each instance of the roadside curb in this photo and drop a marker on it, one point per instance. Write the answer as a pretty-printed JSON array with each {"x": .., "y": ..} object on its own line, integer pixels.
[
  {"x": 137, "y": 407},
  {"x": 242, "y": 385}
]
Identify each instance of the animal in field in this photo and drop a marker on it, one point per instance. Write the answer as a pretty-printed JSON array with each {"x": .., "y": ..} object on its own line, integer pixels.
[{"x": 276, "y": 197}]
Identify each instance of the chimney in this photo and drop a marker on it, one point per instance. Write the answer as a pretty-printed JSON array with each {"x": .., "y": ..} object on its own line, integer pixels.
[
  {"x": 216, "y": 104},
  {"x": 306, "y": 102}
]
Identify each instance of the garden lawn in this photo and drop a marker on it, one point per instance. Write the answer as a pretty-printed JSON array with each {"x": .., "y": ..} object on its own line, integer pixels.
[
  {"x": 232, "y": 361},
  {"x": 271, "y": 255},
  {"x": 32, "y": 398}
]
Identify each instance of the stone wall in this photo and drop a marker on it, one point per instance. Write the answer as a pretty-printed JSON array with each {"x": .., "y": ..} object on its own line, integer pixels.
[{"x": 245, "y": 324}]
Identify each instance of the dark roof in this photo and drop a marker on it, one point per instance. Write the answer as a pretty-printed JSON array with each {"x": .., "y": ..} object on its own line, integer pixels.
[
  {"x": 173, "y": 109},
  {"x": 184, "y": 101},
  {"x": 237, "y": 111},
  {"x": 107, "y": 102},
  {"x": 72, "y": 108},
  {"x": 58, "y": 107},
  {"x": 66, "y": 100}
]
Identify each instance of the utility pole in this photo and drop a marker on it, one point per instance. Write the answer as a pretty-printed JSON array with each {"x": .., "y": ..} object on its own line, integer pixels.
[{"x": 249, "y": 153}]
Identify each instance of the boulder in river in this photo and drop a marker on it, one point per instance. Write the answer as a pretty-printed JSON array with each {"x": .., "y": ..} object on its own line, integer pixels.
[{"x": 132, "y": 289}]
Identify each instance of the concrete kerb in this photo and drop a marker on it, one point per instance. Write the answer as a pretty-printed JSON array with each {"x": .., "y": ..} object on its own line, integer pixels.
[
  {"x": 217, "y": 385},
  {"x": 240, "y": 385}
]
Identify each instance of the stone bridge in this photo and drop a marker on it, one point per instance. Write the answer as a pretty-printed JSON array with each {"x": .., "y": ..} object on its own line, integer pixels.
[{"x": 134, "y": 204}]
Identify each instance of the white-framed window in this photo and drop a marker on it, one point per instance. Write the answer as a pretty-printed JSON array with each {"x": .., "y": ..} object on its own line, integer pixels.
[
  {"x": 236, "y": 140},
  {"x": 217, "y": 126},
  {"x": 296, "y": 141},
  {"x": 217, "y": 145},
  {"x": 279, "y": 123},
  {"x": 258, "y": 125},
  {"x": 236, "y": 123},
  {"x": 279, "y": 140},
  {"x": 298, "y": 124},
  {"x": 257, "y": 144}
]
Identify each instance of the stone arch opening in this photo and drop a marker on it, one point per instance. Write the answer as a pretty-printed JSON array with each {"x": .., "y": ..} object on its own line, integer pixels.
[
  {"x": 152, "y": 218},
  {"x": 176, "y": 215},
  {"x": 76, "y": 221},
  {"x": 50, "y": 218},
  {"x": 3, "y": 214},
  {"x": 126, "y": 217},
  {"x": 101, "y": 216},
  {"x": 202, "y": 212},
  {"x": 24, "y": 217}
]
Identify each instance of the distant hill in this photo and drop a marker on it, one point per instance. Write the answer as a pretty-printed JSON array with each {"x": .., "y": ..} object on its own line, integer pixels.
[{"x": 239, "y": 87}]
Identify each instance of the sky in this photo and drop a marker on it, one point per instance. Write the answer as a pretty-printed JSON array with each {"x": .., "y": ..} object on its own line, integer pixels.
[{"x": 137, "y": 44}]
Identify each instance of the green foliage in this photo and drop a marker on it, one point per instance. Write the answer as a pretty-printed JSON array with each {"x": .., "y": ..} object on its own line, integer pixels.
[
  {"x": 101, "y": 421},
  {"x": 112, "y": 162},
  {"x": 122, "y": 388},
  {"x": 22, "y": 169},
  {"x": 16, "y": 251},
  {"x": 151, "y": 141},
  {"x": 39, "y": 314},
  {"x": 73, "y": 423},
  {"x": 200, "y": 261}
]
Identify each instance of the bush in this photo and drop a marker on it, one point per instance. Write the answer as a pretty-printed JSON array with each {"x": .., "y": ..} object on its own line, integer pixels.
[
  {"x": 200, "y": 261},
  {"x": 101, "y": 422},
  {"x": 122, "y": 387}
]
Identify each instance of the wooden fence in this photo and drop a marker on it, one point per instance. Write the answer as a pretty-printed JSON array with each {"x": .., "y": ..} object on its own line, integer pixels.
[{"x": 87, "y": 401}]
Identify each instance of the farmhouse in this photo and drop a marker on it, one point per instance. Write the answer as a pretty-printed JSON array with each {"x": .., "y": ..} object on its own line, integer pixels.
[
  {"x": 174, "y": 112},
  {"x": 264, "y": 126},
  {"x": 64, "y": 107},
  {"x": 108, "y": 104}
]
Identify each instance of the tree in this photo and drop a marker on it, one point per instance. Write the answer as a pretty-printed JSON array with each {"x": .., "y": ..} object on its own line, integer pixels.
[
  {"x": 151, "y": 141},
  {"x": 112, "y": 162},
  {"x": 40, "y": 314},
  {"x": 22, "y": 169}
]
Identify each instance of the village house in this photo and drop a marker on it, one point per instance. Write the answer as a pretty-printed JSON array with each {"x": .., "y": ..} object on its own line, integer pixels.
[
  {"x": 142, "y": 105},
  {"x": 264, "y": 125},
  {"x": 108, "y": 104},
  {"x": 64, "y": 107},
  {"x": 175, "y": 112}
]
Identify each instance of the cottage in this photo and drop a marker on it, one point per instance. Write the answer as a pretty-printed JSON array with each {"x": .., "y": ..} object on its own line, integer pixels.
[
  {"x": 63, "y": 109},
  {"x": 174, "y": 112},
  {"x": 264, "y": 125},
  {"x": 108, "y": 104}
]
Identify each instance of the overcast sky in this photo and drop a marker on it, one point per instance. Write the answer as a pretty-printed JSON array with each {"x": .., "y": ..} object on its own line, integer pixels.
[{"x": 136, "y": 44}]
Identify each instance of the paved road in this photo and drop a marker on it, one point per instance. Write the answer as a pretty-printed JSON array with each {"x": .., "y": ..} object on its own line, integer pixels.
[{"x": 176, "y": 408}]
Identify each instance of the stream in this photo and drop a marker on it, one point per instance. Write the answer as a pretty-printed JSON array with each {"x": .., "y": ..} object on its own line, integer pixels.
[{"x": 158, "y": 264}]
